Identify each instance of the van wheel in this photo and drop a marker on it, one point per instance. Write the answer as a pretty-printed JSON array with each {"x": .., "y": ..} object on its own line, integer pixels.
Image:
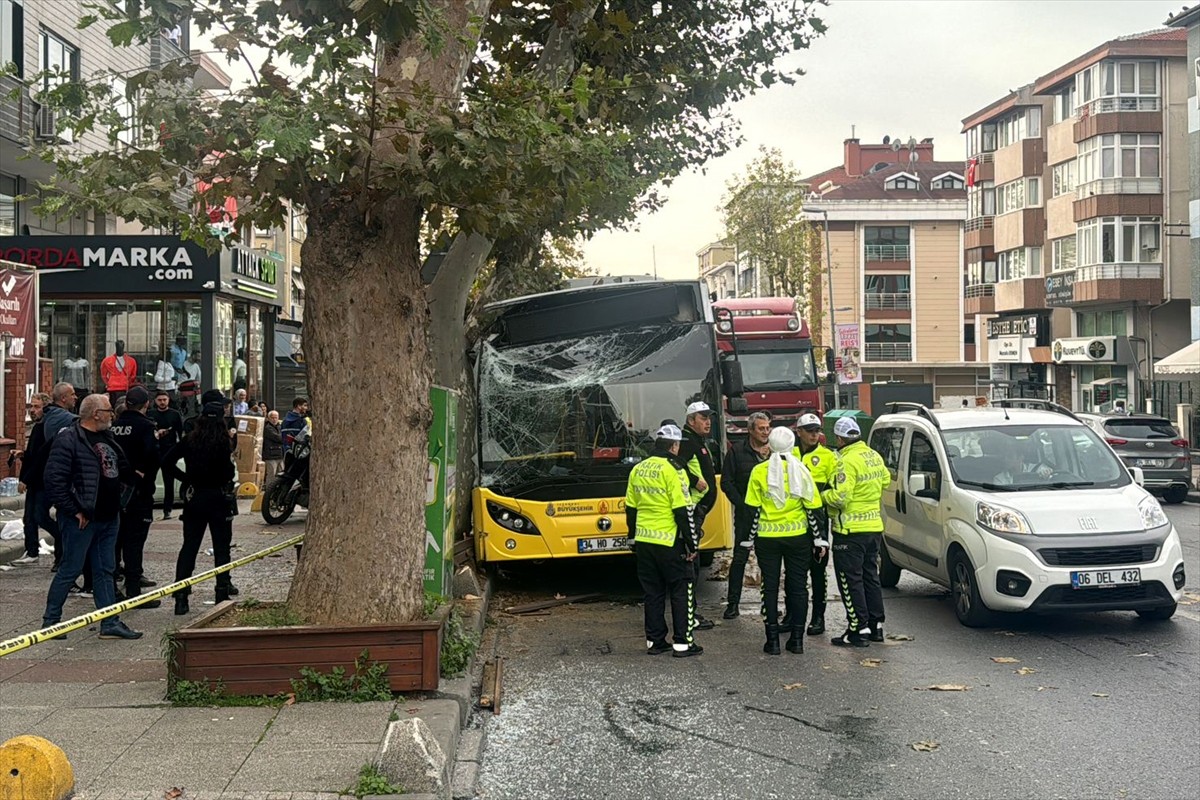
[
  {"x": 968, "y": 605},
  {"x": 1175, "y": 495},
  {"x": 889, "y": 573},
  {"x": 1160, "y": 614}
]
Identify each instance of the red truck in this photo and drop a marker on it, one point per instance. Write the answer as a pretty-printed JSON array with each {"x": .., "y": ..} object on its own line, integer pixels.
[{"x": 770, "y": 339}]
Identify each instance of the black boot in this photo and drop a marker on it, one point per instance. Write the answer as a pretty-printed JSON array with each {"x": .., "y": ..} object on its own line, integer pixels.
[
  {"x": 876, "y": 631},
  {"x": 150, "y": 604},
  {"x": 181, "y": 605},
  {"x": 771, "y": 648},
  {"x": 222, "y": 593},
  {"x": 850, "y": 639},
  {"x": 731, "y": 610},
  {"x": 795, "y": 642},
  {"x": 817, "y": 626}
]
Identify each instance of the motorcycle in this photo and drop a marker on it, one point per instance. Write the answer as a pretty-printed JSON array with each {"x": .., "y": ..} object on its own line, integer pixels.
[{"x": 290, "y": 487}]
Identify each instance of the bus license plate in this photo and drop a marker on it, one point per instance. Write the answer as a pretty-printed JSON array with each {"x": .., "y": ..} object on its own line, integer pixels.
[
  {"x": 1105, "y": 578},
  {"x": 606, "y": 544}
]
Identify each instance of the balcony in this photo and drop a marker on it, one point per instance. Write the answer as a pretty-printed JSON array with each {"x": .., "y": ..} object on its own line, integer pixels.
[
  {"x": 886, "y": 257},
  {"x": 1118, "y": 205},
  {"x": 16, "y": 109},
  {"x": 164, "y": 49},
  {"x": 1023, "y": 159},
  {"x": 979, "y": 298},
  {"x": 1023, "y": 228},
  {"x": 978, "y": 233},
  {"x": 1119, "y": 115},
  {"x": 887, "y": 351},
  {"x": 1108, "y": 283},
  {"x": 887, "y": 305},
  {"x": 1119, "y": 186},
  {"x": 1113, "y": 105},
  {"x": 1025, "y": 294},
  {"x": 985, "y": 167}
]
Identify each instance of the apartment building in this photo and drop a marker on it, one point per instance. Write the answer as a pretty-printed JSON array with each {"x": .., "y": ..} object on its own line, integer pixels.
[
  {"x": 895, "y": 218},
  {"x": 1189, "y": 20},
  {"x": 1076, "y": 185},
  {"x": 718, "y": 268}
]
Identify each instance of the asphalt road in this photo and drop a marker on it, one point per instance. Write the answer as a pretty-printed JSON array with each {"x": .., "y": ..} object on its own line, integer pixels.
[{"x": 1110, "y": 710}]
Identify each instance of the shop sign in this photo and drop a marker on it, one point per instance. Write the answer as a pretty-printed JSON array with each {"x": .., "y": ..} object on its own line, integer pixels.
[
  {"x": 18, "y": 317},
  {"x": 113, "y": 264},
  {"x": 252, "y": 272},
  {"x": 1060, "y": 288},
  {"x": 1085, "y": 350},
  {"x": 1008, "y": 348},
  {"x": 1026, "y": 325}
]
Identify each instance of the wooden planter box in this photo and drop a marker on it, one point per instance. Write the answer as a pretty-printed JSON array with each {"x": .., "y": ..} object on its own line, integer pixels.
[{"x": 251, "y": 661}]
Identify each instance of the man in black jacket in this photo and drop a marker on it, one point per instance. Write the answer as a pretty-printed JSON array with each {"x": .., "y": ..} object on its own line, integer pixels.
[
  {"x": 84, "y": 472},
  {"x": 740, "y": 461},
  {"x": 54, "y": 418},
  {"x": 697, "y": 460},
  {"x": 31, "y": 518},
  {"x": 137, "y": 437},
  {"x": 168, "y": 425}
]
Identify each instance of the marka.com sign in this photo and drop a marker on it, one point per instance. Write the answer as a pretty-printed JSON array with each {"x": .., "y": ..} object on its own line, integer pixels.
[
  {"x": 114, "y": 264},
  {"x": 162, "y": 263}
]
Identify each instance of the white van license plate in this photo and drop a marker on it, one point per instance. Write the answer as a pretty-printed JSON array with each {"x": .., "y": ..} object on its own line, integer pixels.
[
  {"x": 1105, "y": 578},
  {"x": 602, "y": 545}
]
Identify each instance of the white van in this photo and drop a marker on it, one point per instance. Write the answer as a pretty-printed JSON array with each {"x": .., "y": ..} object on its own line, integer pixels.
[{"x": 1018, "y": 509}]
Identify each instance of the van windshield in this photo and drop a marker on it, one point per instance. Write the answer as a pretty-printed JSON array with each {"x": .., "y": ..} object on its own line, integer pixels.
[{"x": 1015, "y": 458}]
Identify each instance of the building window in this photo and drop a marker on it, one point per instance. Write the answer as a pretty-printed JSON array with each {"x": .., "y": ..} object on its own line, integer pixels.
[
  {"x": 1018, "y": 194},
  {"x": 902, "y": 182},
  {"x": 58, "y": 56},
  {"x": 887, "y": 293},
  {"x": 12, "y": 35},
  {"x": 1025, "y": 124},
  {"x": 948, "y": 181},
  {"x": 890, "y": 243},
  {"x": 1126, "y": 155},
  {"x": 969, "y": 333},
  {"x": 1062, "y": 254},
  {"x": 1064, "y": 104},
  {"x": 1101, "y": 323},
  {"x": 126, "y": 130},
  {"x": 981, "y": 200},
  {"x": 299, "y": 226},
  {"x": 981, "y": 273},
  {"x": 1118, "y": 86},
  {"x": 1016, "y": 265},
  {"x": 981, "y": 139},
  {"x": 1064, "y": 179},
  {"x": 8, "y": 206},
  {"x": 888, "y": 342},
  {"x": 746, "y": 283},
  {"x": 1120, "y": 240}
]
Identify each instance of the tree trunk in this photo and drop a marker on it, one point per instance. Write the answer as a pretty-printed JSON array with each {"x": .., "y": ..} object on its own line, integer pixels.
[
  {"x": 365, "y": 324},
  {"x": 448, "y": 296}
]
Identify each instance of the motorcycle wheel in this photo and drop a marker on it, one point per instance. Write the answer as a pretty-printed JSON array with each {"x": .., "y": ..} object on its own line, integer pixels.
[{"x": 275, "y": 507}]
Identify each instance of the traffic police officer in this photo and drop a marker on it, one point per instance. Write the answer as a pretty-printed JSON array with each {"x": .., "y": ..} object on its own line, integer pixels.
[
  {"x": 661, "y": 533},
  {"x": 776, "y": 495},
  {"x": 857, "y": 517},
  {"x": 822, "y": 465},
  {"x": 702, "y": 481}
]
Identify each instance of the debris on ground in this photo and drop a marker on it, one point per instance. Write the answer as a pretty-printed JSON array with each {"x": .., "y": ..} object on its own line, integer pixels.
[
  {"x": 1006, "y": 660},
  {"x": 559, "y": 600},
  {"x": 1025, "y": 671},
  {"x": 925, "y": 746},
  {"x": 871, "y": 662},
  {"x": 899, "y": 637},
  {"x": 947, "y": 687}
]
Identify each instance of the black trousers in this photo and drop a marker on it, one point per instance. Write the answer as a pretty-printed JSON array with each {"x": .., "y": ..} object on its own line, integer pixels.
[
  {"x": 35, "y": 516},
  {"x": 131, "y": 543},
  {"x": 793, "y": 554},
  {"x": 168, "y": 494},
  {"x": 663, "y": 574},
  {"x": 209, "y": 512},
  {"x": 818, "y": 523},
  {"x": 856, "y": 562},
  {"x": 737, "y": 567}
]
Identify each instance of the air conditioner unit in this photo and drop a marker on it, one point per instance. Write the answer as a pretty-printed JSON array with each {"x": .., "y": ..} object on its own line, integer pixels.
[{"x": 47, "y": 124}]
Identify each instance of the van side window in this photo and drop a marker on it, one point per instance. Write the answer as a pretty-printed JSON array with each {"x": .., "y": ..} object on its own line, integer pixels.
[
  {"x": 923, "y": 460},
  {"x": 887, "y": 442}
]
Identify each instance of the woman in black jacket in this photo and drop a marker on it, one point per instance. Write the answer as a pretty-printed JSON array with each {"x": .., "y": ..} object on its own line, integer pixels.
[{"x": 207, "y": 481}]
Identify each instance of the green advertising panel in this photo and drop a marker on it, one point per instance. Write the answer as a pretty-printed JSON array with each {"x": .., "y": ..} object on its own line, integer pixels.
[{"x": 439, "y": 491}]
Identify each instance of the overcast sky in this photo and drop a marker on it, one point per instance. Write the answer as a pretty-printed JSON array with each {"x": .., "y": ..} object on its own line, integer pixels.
[{"x": 889, "y": 67}]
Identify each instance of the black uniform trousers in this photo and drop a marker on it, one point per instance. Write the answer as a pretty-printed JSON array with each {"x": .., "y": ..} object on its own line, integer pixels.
[
  {"x": 131, "y": 543},
  {"x": 207, "y": 509},
  {"x": 818, "y": 523},
  {"x": 663, "y": 573},
  {"x": 793, "y": 554},
  {"x": 742, "y": 522},
  {"x": 856, "y": 562}
]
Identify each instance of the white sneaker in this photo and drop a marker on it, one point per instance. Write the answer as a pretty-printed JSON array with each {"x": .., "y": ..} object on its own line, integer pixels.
[{"x": 25, "y": 561}]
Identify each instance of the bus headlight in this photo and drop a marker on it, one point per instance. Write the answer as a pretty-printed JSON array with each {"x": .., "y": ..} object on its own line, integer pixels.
[{"x": 510, "y": 520}]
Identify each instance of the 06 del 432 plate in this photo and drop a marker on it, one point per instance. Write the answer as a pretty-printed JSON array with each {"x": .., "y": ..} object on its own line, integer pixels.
[
  {"x": 1106, "y": 578},
  {"x": 604, "y": 544}
]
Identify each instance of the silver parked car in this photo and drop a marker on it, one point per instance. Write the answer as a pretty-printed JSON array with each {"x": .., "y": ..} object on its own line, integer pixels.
[{"x": 1153, "y": 444}]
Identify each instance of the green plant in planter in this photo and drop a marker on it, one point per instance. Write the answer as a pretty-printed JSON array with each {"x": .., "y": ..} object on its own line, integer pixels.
[
  {"x": 368, "y": 682},
  {"x": 458, "y": 645},
  {"x": 433, "y": 602}
]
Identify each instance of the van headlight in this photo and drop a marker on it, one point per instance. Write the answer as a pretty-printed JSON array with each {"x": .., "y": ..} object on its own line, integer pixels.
[
  {"x": 1001, "y": 519},
  {"x": 1152, "y": 514}
]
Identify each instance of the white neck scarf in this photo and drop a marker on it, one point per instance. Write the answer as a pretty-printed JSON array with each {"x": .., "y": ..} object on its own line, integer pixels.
[{"x": 798, "y": 481}]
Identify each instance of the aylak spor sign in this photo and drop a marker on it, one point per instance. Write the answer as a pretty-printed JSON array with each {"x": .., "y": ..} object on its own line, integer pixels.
[
  {"x": 17, "y": 314},
  {"x": 114, "y": 264}
]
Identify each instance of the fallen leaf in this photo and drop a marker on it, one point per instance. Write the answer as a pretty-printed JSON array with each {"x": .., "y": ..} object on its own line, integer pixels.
[
  {"x": 1099, "y": 694},
  {"x": 291, "y": 699},
  {"x": 949, "y": 687},
  {"x": 790, "y": 686},
  {"x": 871, "y": 662},
  {"x": 558, "y": 596},
  {"x": 173, "y": 793},
  {"x": 1025, "y": 671},
  {"x": 1144, "y": 655},
  {"x": 1006, "y": 660},
  {"x": 1044, "y": 688},
  {"x": 470, "y": 597},
  {"x": 899, "y": 637},
  {"x": 925, "y": 746}
]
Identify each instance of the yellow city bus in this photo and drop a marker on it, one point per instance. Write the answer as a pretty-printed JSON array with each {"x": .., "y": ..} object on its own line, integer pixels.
[{"x": 572, "y": 385}]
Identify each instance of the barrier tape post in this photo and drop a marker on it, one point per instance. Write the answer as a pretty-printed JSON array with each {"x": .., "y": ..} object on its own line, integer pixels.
[{"x": 13, "y": 645}]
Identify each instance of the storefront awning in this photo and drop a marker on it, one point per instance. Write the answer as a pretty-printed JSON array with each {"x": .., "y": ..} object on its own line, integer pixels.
[{"x": 1183, "y": 363}]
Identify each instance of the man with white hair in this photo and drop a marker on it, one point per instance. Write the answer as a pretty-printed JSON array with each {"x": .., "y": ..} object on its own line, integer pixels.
[
  {"x": 776, "y": 494},
  {"x": 857, "y": 516},
  {"x": 658, "y": 515}
]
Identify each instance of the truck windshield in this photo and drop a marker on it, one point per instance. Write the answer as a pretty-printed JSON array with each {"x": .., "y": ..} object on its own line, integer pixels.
[
  {"x": 776, "y": 369},
  {"x": 569, "y": 418},
  {"x": 1015, "y": 458}
]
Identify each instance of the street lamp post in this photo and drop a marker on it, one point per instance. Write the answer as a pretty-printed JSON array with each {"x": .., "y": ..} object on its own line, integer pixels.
[{"x": 837, "y": 403}]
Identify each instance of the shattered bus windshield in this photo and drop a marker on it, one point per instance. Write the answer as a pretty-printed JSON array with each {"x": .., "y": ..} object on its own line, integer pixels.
[{"x": 555, "y": 415}]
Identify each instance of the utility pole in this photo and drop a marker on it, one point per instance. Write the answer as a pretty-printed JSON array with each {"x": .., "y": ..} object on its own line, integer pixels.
[{"x": 837, "y": 402}]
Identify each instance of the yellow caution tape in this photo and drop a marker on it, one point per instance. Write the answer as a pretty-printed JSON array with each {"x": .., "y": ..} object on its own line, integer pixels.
[{"x": 38, "y": 636}]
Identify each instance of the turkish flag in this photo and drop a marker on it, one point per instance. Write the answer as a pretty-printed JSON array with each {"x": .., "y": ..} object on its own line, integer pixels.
[{"x": 971, "y": 171}]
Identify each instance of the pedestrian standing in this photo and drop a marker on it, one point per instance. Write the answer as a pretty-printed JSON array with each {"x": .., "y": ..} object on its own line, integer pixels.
[
  {"x": 821, "y": 463},
  {"x": 272, "y": 447},
  {"x": 240, "y": 406},
  {"x": 84, "y": 472},
  {"x": 168, "y": 429},
  {"x": 777, "y": 491},
  {"x": 857, "y": 517},
  {"x": 54, "y": 417},
  {"x": 138, "y": 437},
  {"x": 740, "y": 461},
  {"x": 30, "y": 519},
  {"x": 695, "y": 454},
  {"x": 208, "y": 498},
  {"x": 659, "y": 518}
]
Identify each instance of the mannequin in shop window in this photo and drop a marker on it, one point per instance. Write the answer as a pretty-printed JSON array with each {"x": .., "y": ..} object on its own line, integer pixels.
[
  {"x": 118, "y": 372},
  {"x": 178, "y": 355},
  {"x": 76, "y": 370},
  {"x": 239, "y": 370},
  {"x": 164, "y": 376}
]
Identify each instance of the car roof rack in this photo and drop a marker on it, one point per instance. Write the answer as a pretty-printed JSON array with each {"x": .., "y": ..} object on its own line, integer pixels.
[
  {"x": 920, "y": 409},
  {"x": 1048, "y": 405}
]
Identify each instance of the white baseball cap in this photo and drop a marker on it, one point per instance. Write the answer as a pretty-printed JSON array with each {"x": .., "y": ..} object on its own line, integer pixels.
[
  {"x": 809, "y": 421},
  {"x": 670, "y": 432},
  {"x": 847, "y": 428},
  {"x": 699, "y": 407}
]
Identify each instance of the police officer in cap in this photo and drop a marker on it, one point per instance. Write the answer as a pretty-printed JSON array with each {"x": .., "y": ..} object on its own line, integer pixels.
[
  {"x": 822, "y": 465},
  {"x": 662, "y": 536},
  {"x": 857, "y": 516},
  {"x": 135, "y": 433},
  {"x": 695, "y": 454}
]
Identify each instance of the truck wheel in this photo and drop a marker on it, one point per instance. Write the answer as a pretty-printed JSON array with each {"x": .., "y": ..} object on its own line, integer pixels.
[
  {"x": 889, "y": 573},
  {"x": 1175, "y": 495},
  {"x": 968, "y": 605},
  {"x": 1160, "y": 614}
]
